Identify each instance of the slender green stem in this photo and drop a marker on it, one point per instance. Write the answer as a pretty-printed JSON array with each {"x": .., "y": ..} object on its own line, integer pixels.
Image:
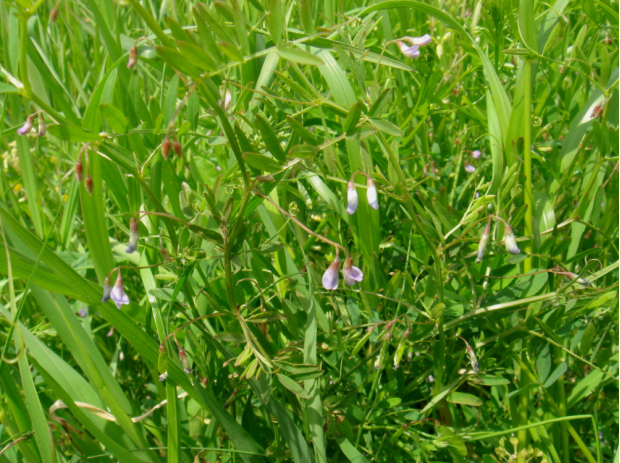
[{"x": 527, "y": 163}]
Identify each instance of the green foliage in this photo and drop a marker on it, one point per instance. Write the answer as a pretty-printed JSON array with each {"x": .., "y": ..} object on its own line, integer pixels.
[{"x": 269, "y": 315}]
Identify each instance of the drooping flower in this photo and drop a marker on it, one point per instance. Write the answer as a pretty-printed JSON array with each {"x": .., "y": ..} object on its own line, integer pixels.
[
  {"x": 483, "y": 243},
  {"x": 42, "y": 125},
  {"x": 510, "y": 242},
  {"x": 178, "y": 149},
  {"x": 83, "y": 312},
  {"x": 416, "y": 42},
  {"x": 165, "y": 147},
  {"x": 469, "y": 168},
  {"x": 351, "y": 273},
  {"x": 351, "y": 197},
  {"x": 476, "y": 154},
  {"x": 227, "y": 99},
  {"x": 185, "y": 361},
  {"x": 472, "y": 357},
  {"x": 133, "y": 57},
  {"x": 371, "y": 194},
  {"x": 88, "y": 183},
  {"x": 573, "y": 276},
  {"x": 330, "y": 277},
  {"x": 27, "y": 127},
  {"x": 118, "y": 293},
  {"x": 133, "y": 236},
  {"x": 79, "y": 169},
  {"x": 107, "y": 289}
]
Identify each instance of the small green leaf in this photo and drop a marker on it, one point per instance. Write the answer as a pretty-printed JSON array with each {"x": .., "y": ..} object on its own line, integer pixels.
[
  {"x": 352, "y": 118},
  {"x": 387, "y": 127},
  {"x": 299, "y": 56},
  {"x": 292, "y": 386},
  {"x": 269, "y": 137},
  {"x": 464, "y": 398},
  {"x": 261, "y": 162}
]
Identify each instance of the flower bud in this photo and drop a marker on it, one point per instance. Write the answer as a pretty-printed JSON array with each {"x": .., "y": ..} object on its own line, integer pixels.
[
  {"x": 88, "y": 183},
  {"x": 573, "y": 276},
  {"x": 510, "y": 242},
  {"x": 483, "y": 243},
  {"x": 351, "y": 273},
  {"x": 185, "y": 361},
  {"x": 178, "y": 149},
  {"x": 472, "y": 357},
  {"x": 227, "y": 99},
  {"x": 42, "y": 125},
  {"x": 330, "y": 277},
  {"x": 133, "y": 236},
  {"x": 79, "y": 169},
  {"x": 425, "y": 172},
  {"x": 118, "y": 293},
  {"x": 371, "y": 194},
  {"x": 433, "y": 168},
  {"x": 469, "y": 168},
  {"x": 107, "y": 289},
  {"x": 27, "y": 127},
  {"x": 163, "y": 376},
  {"x": 351, "y": 197},
  {"x": 54, "y": 14},
  {"x": 133, "y": 57},
  {"x": 165, "y": 148}
]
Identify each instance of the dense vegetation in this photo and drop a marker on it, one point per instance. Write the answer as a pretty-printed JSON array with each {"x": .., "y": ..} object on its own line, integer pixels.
[{"x": 309, "y": 231}]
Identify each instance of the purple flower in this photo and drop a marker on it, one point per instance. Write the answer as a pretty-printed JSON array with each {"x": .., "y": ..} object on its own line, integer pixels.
[
  {"x": 351, "y": 197},
  {"x": 133, "y": 236},
  {"x": 351, "y": 273},
  {"x": 83, "y": 312},
  {"x": 118, "y": 294},
  {"x": 371, "y": 194},
  {"x": 133, "y": 57},
  {"x": 27, "y": 127},
  {"x": 107, "y": 290},
  {"x": 416, "y": 42},
  {"x": 330, "y": 277},
  {"x": 510, "y": 242},
  {"x": 476, "y": 154},
  {"x": 469, "y": 168}
]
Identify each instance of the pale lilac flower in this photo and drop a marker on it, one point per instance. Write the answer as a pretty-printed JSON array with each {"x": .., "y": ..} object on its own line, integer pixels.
[
  {"x": 27, "y": 127},
  {"x": 351, "y": 273},
  {"x": 469, "y": 168},
  {"x": 351, "y": 197},
  {"x": 227, "y": 99},
  {"x": 133, "y": 236},
  {"x": 121, "y": 356},
  {"x": 118, "y": 294},
  {"x": 510, "y": 242},
  {"x": 111, "y": 332},
  {"x": 483, "y": 243},
  {"x": 42, "y": 125},
  {"x": 330, "y": 277},
  {"x": 472, "y": 357},
  {"x": 476, "y": 154},
  {"x": 107, "y": 290},
  {"x": 371, "y": 194},
  {"x": 163, "y": 377},
  {"x": 83, "y": 312},
  {"x": 416, "y": 42}
]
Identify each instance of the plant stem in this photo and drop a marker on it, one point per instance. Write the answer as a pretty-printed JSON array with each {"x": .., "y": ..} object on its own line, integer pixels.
[{"x": 527, "y": 163}]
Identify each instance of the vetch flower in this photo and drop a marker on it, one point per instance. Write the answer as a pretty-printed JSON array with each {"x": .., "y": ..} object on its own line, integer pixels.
[
  {"x": 483, "y": 242},
  {"x": 107, "y": 289},
  {"x": 371, "y": 194},
  {"x": 416, "y": 42},
  {"x": 88, "y": 183},
  {"x": 469, "y": 168},
  {"x": 351, "y": 197},
  {"x": 165, "y": 147},
  {"x": 42, "y": 125},
  {"x": 476, "y": 154},
  {"x": 581, "y": 281},
  {"x": 79, "y": 169},
  {"x": 472, "y": 357},
  {"x": 185, "y": 361},
  {"x": 118, "y": 294},
  {"x": 178, "y": 149},
  {"x": 351, "y": 273},
  {"x": 27, "y": 127},
  {"x": 133, "y": 57},
  {"x": 330, "y": 277},
  {"x": 510, "y": 242},
  {"x": 133, "y": 236},
  {"x": 227, "y": 99}
]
